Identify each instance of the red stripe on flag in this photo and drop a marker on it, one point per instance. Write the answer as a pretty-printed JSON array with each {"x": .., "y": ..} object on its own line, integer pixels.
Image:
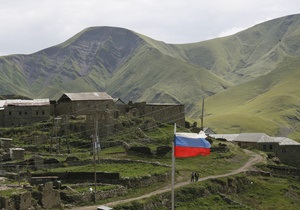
[{"x": 190, "y": 151}]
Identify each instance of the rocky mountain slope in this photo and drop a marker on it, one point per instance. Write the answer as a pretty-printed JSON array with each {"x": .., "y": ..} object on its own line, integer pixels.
[{"x": 134, "y": 67}]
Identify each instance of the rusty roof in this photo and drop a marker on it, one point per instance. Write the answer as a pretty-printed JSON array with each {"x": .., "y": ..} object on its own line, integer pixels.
[{"x": 96, "y": 96}]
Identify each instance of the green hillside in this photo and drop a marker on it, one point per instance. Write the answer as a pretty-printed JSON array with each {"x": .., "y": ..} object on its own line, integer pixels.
[
  {"x": 249, "y": 78},
  {"x": 248, "y": 54},
  {"x": 157, "y": 77},
  {"x": 267, "y": 104}
]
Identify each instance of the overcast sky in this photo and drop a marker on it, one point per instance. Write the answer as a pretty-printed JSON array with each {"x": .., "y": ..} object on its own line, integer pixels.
[{"x": 28, "y": 26}]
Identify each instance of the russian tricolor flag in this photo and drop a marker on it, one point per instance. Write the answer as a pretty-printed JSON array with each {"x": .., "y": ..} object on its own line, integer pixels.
[{"x": 191, "y": 144}]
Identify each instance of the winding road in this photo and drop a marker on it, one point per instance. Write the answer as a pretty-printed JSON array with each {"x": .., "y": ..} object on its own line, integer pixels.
[{"x": 255, "y": 158}]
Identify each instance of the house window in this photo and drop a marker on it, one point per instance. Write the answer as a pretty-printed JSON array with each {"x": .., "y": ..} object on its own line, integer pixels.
[
  {"x": 37, "y": 112},
  {"x": 283, "y": 150},
  {"x": 264, "y": 147},
  {"x": 25, "y": 112},
  {"x": 9, "y": 113},
  {"x": 43, "y": 112},
  {"x": 20, "y": 113},
  {"x": 271, "y": 146}
]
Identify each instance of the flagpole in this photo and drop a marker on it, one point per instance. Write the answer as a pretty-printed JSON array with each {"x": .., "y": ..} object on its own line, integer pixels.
[{"x": 173, "y": 167}]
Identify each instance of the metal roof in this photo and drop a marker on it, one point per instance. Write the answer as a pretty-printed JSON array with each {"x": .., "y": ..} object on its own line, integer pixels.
[
  {"x": 163, "y": 104},
  {"x": 253, "y": 137},
  {"x": 228, "y": 137},
  {"x": 2, "y": 103},
  {"x": 6, "y": 139},
  {"x": 21, "y": 102},
  {"x": 285, "y": 141},
  {"x": 104, "y": 208},
  {"x": 88, "y": 96}
]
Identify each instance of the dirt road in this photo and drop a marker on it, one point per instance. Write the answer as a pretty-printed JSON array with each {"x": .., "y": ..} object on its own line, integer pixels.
[{"x": 255, "y": 158}]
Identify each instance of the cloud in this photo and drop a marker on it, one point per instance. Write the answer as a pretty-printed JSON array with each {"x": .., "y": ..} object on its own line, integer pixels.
[
  {"x": 31, "y": 25},
  {"x": 231, "y": 31}
]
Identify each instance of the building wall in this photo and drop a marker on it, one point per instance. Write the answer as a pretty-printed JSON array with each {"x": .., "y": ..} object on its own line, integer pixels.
[
  {"x": 166, "y": 113},
  {"x": 289, "y": 154},
  {"x": 2, "y": 118},
  {"x": 244, "y": 144},
  {"x": 105, "y": 121},
  {"x": 82, "y": 107},
  {"x": 24, "y": 115},
  {"x": 268, "y": 146},
  {"x": 106, "y": 112},
  {"x": 17, "y": 153},
  {"x": 5, "y": 143}
]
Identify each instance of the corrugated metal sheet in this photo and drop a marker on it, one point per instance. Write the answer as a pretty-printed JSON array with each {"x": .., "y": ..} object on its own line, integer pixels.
[
  {"x": 256, "y": 137},
  {"x": 253, "y": 137},
  {"x": 163, "y": 104},
  {"x": 285, "y": 141},
  {"x": 88, "y": 96},
  {"x": 228, "y": 137},
  {"x": 21, "y": 102},
  {"x": 2, "y": 103}
]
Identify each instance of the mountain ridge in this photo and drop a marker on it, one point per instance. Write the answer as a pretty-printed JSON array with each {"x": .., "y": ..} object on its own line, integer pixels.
[{"x": 135, "y": 67}]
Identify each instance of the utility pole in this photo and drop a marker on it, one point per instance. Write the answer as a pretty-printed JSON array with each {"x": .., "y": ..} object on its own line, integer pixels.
[
  {"x": 57, "y": 120},
  {"x": 95, "y": 173},
  {"x": 202, "y": 115},
  {"x": 95, "y": 149},
  {"x": 18, "y": 172}
]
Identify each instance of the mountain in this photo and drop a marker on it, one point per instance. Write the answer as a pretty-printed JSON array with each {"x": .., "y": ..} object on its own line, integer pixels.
[
  {"x": 121, "y": 62},
  {"x": 268, "y": 104},
  {"x": 248, "y": 54},
  {"x": 247, "y": 74}
]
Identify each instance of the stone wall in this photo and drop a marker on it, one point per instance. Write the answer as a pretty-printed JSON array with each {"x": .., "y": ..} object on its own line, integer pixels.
[
  {"x": 81, "y": 177},
  {"x": 145, "y": 181},
  {"x": 50, "y": 197},
  {"x": 86, "y": 197},
  {"x": 289, "y": 154},
  {"x": 24, "y": 115},
  {"x": 21, "y": 201},
  {"x": 164, "y": 112}
]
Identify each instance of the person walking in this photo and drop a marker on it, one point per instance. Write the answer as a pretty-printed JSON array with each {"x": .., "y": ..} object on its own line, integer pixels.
[
  {"x": 196, "y": 176},
  {"x": 193, "y": 177}
]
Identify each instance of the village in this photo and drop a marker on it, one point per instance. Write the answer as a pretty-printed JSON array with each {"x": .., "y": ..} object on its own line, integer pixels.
[
  {"x": 101, "y": 107},
  {"x": 101, "y": 112}
]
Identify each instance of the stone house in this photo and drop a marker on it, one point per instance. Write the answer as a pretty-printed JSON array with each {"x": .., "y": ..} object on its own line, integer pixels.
[
  {"x": 5, "y": 143},
  {"x": 120, "y": 107},
  {"x": 17, "y": 153},
  {"x": 83, "y": 103},
  {"x": 101, "y": 111},
  {"x": 161, "y": 112},
  {"x": 19, "y": 112},
  {"x": 208, "y": 131},
  {"x": 287, "y": 150},
  {"x": 97, "y": 107},
  {"x": 252, "y": 139}
]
